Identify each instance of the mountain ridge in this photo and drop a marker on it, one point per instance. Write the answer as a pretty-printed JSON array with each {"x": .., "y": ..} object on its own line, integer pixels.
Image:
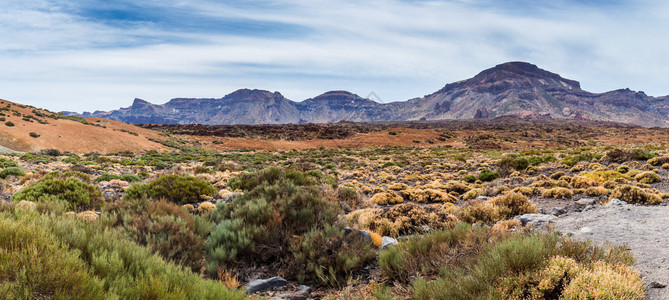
[{"x": 513, "y": 88}]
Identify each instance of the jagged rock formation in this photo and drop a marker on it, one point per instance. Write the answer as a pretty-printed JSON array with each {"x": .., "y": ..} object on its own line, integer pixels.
[{"x": 514, "y": 88}]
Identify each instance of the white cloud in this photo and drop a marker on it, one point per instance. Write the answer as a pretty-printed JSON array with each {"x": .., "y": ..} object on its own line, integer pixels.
[{"x": 398, "y": 49}]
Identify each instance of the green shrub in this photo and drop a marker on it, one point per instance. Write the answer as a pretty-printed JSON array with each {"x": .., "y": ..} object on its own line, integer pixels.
[
  {"x": 430, "y": 253},
  {"x": 328, "y": 256},
  {"x": 6, "y": 163},
  {"x": 583, "y": 156},
  {"x": 129, "y": 270},
  {"x": 72, "y": 188},
  {"x": 33, "y": 264},
  {"x": 34, "y": 135},
  {"x": 165, "y": 228},
  {"x": 469, "y": 178},
  {"x": 12, "y": 171},
  {"x": 124, "y": 177},
  {"x": 174, "y": 188},
  {"x": 9, "y": 124},
  {"x": 487, "y": 175},
  {"x": 276, "y": 206},
  {"x": 623, "y": 155}
]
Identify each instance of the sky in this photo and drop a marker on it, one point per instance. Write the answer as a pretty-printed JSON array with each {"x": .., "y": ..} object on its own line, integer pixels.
[{"x": 99, "y": 55}]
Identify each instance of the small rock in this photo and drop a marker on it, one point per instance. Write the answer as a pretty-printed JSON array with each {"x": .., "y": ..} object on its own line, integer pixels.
[
  {"x": 657, "y": 285},
  {"x": 484, "y": 198},
  {"x": 558, "y": 211},
  {"x": 260, "y": 285},
  {"x": 387, "y": 241},
  {"x": 536, "y": 220},
  {"x": 362, "y": 233},
  {"x": 589, "y": 207},
  {"x": 586, "y": 201},
  {"x": 585, "y": 230},
  {"x": 615, "y": 202}
]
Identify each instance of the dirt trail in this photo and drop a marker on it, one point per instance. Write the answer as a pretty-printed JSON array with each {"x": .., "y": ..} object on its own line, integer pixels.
[{"x": 642, "y": 228}]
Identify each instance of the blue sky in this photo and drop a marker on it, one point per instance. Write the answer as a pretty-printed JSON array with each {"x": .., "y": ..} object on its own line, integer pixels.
[{"x": 94, "y": 54}]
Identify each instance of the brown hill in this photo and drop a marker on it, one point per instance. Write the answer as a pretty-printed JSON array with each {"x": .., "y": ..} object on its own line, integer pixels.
[{"x": 26, "y": 128}]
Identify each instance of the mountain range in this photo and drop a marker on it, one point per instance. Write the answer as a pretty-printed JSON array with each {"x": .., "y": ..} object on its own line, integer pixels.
[{"x": 514, "y": 88}]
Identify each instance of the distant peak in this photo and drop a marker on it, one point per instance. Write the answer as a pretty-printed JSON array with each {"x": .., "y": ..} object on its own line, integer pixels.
[
  {"x": 519, "y": 69},
  {"x": 137, "y": 103}
]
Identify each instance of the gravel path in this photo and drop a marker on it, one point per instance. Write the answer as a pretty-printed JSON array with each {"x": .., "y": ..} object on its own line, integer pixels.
[{"x": 642, "y": 228}]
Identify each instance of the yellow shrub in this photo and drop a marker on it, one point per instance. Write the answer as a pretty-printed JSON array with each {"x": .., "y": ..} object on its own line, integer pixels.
[
  {"x": 513, "y": 204},
  {"x": 596, "y": 191},
  {"x": 506, "y": 225},
  {"x": 527, "y": 191},
  {"x": 398, "y": 187},
  {"x": 605, "y": 281},
  {"x": 385, "y": 198},
  {"x": 595, "y": 178},
  {"x": 450, "y": 208},
  {"x": 88, "y": 216},
  {"x": 479, "y": 212},
  {"x": 647, "y": 177},
  {"x": 427, "y": 196},
  {"x": 189, "y": 207},
  {"x": 558, "y": 192},
  {"x": 632, "y": 194},
  {"x": 206, "y": 206}
]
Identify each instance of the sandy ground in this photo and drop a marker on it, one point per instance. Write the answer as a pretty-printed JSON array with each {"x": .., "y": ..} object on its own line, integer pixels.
[{"x": 642, "y": 228}]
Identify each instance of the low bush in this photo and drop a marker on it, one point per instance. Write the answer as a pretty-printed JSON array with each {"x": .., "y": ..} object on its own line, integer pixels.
[
  {"x": 596, "y": 178},
  {"x": 647, "y": 177},
  {"x": 124, "y": 177},
  {"x": 277, "y": 205},
  {"x": 174, "y": 188},
  {"x": 557, "y": 193},
  {"x": 633, "y": 194},
  {"x": 403, "y": 219},
  {"x": 384, "y": 198},
  {"x": 72, "y": 188},
  {"x": 328, "y": 256},
  {"x": 12, "y": 171},
  {"x": 658, "y": 161},
  {"x": 583, "y": 156},
  {"x": 513, "y": 204},
  {"x": 427, "y": 196},
  {"x": 478, "y": 211},
  {"x": 33, "y": 262},
  {"x": 100, "y": 263},
  {"x": 623, "y": 155},
  {"x": 430, "y": 253},
  {"x": 488, "y": 175}
]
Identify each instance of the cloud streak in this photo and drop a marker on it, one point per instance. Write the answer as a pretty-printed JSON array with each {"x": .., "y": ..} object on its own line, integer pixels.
[{"x": 88, "y": 55}]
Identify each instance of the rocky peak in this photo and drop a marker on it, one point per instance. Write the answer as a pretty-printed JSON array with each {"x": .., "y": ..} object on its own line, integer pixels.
[
  {"x": 139, "y": 103},
  {"x": 249, "y": 94},
  {"x": 513, "y": 75}
]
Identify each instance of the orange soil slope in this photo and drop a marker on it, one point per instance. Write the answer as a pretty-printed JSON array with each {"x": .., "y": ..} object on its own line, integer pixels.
[{"x": 69, "y": 135}]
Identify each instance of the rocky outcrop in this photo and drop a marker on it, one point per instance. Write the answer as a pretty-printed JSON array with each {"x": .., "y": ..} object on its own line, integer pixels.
[{"x": 514, "y": 88}]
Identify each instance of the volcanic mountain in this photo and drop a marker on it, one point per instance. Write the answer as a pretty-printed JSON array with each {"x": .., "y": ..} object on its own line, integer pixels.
[{"x": 514, "y": 88}]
